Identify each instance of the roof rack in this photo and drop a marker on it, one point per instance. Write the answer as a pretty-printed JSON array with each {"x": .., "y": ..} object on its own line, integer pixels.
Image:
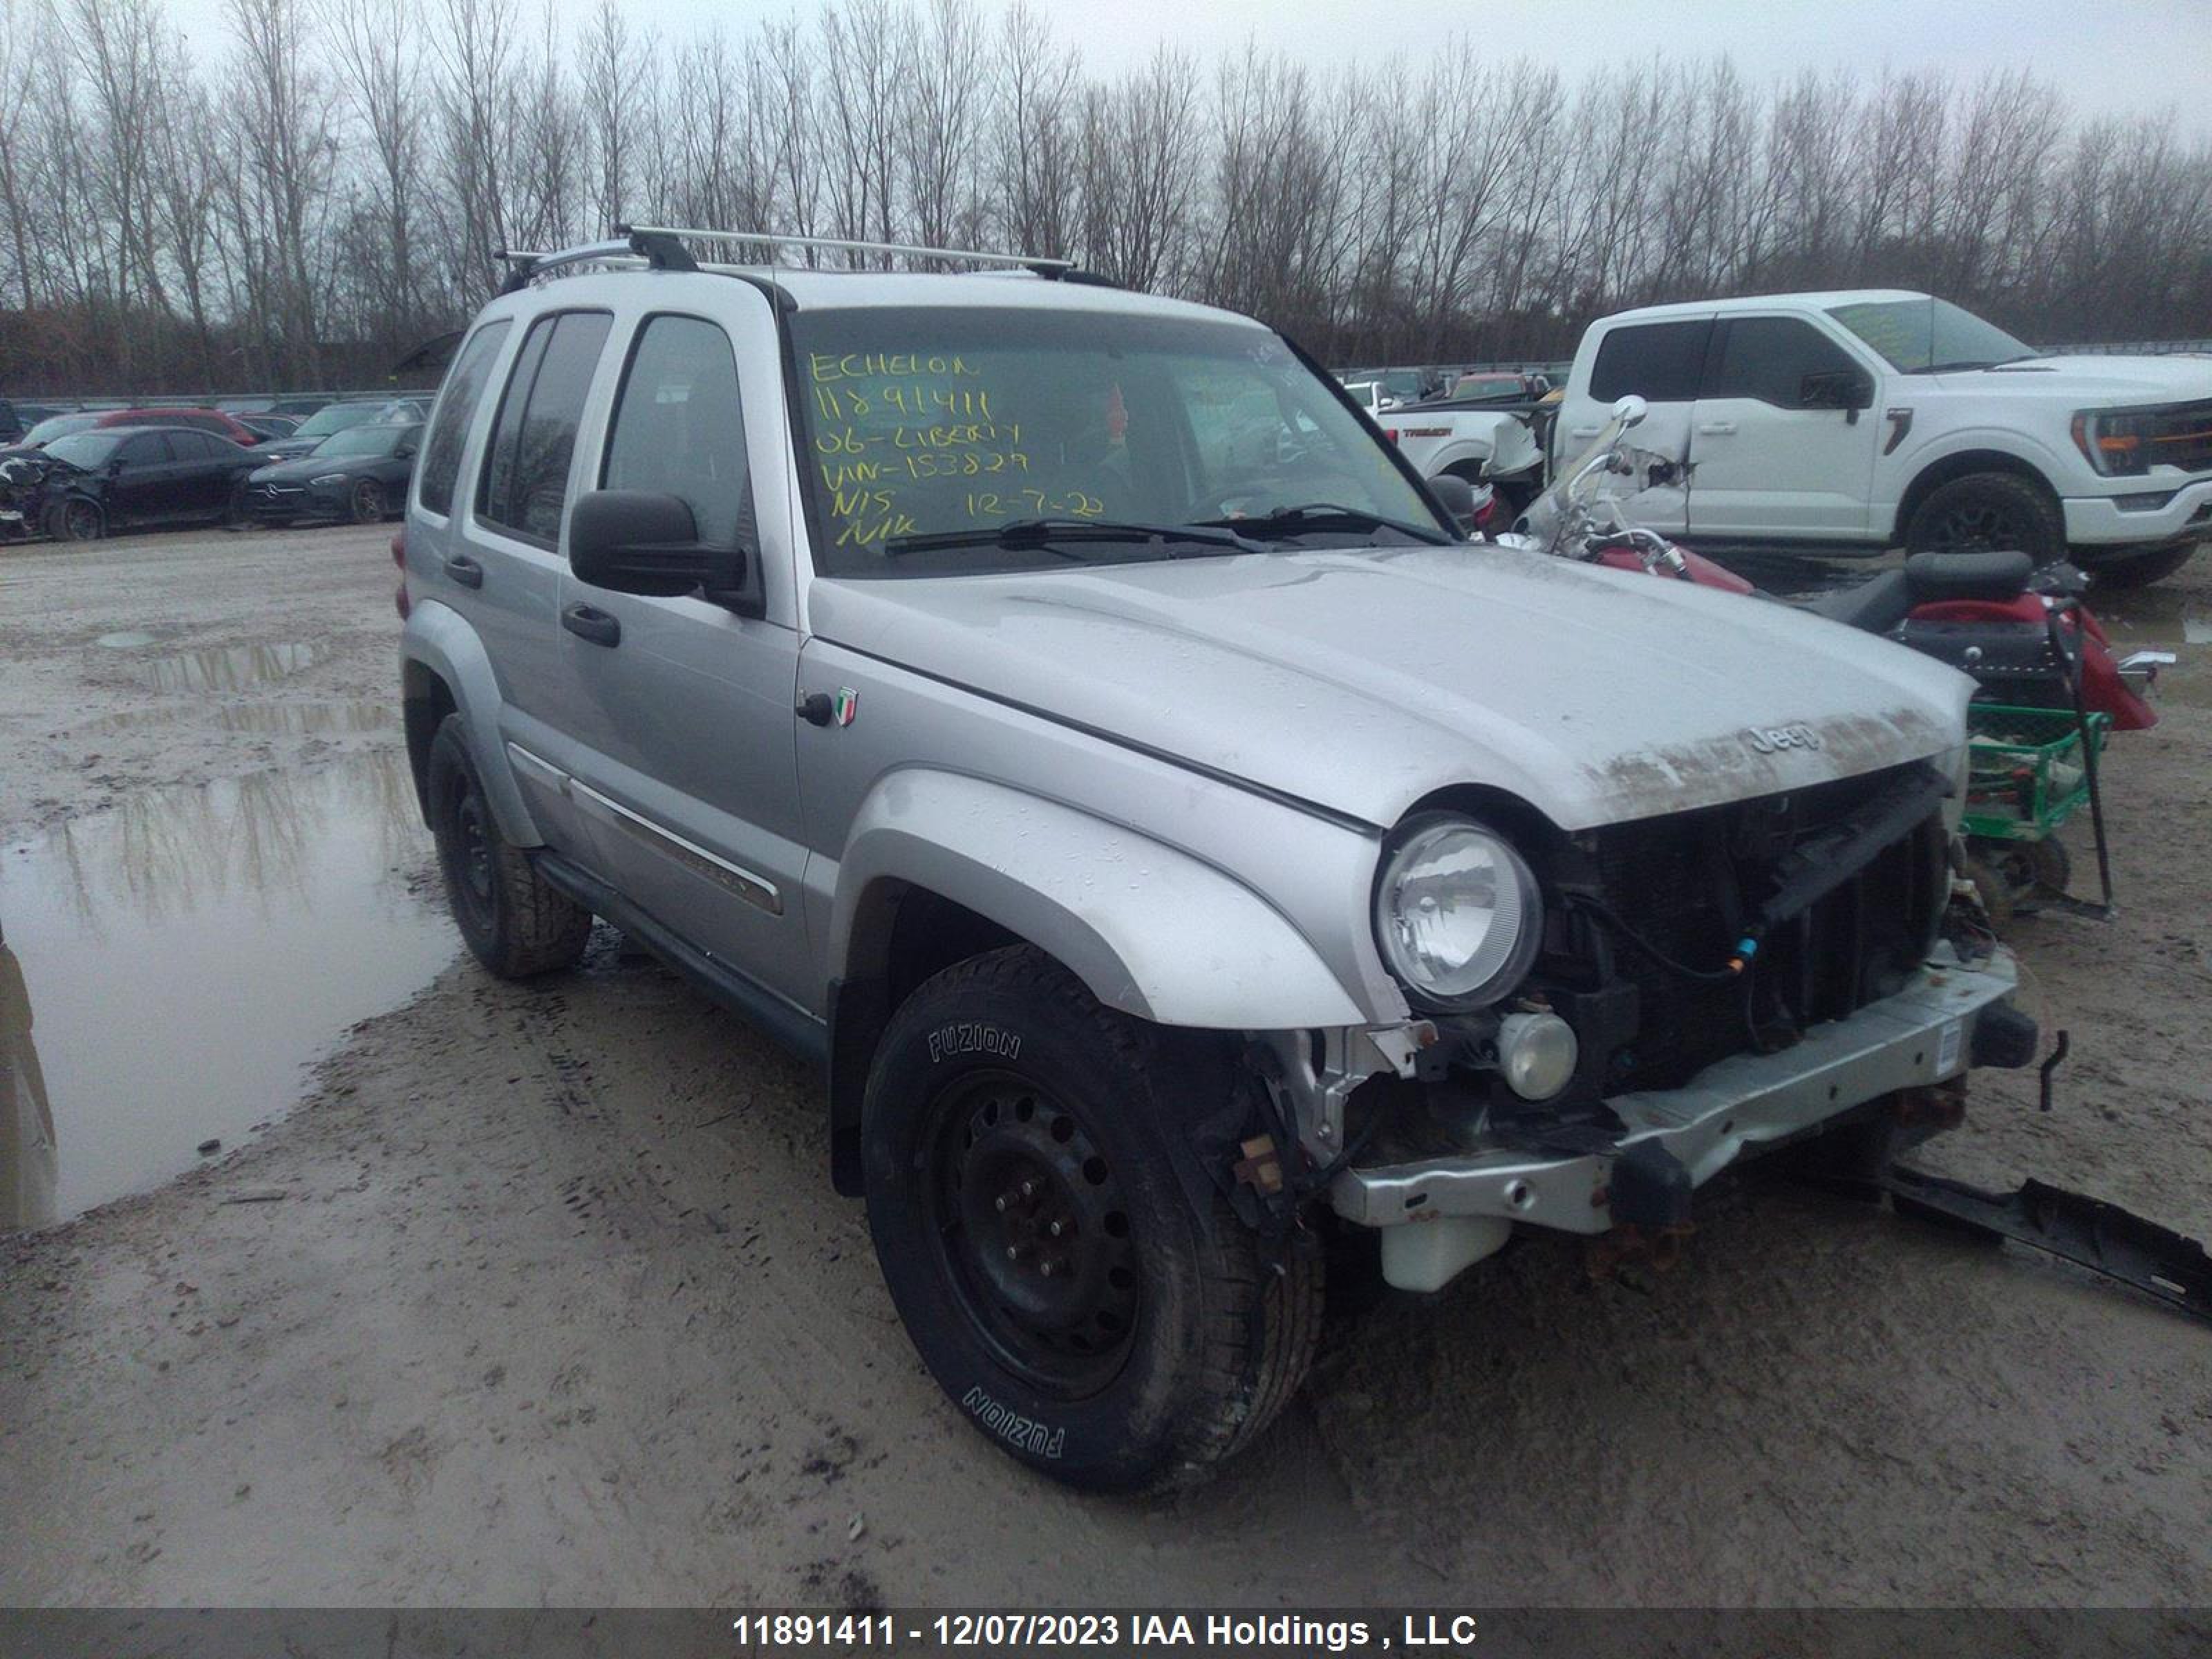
[{"x": 1041, "y": 265}]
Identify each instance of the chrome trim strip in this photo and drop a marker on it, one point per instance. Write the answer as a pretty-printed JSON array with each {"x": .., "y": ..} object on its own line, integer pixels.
[
  {"x": 537, "y": 769},
  {"x": 754, "y": 889}
]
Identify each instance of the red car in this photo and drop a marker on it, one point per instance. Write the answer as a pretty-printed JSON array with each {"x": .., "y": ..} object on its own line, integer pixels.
[{"x": 92, "y": 419}]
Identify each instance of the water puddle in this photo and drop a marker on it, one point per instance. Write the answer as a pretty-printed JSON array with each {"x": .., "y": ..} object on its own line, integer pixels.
[
  {"x": 128, "y": 639},
  {"x": 2160, "y": 618},
  {"x": 309, "y": 719},
  {"x": 229, "y": 667},
  {"x": 169, "y": 967}
]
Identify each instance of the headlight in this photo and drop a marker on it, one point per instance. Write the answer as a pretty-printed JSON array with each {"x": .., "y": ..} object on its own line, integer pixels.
[
  {"x": 2117, "y": 444},
  {"x": 1456, "y": 913},
  {"x": 329, "y": 478}
]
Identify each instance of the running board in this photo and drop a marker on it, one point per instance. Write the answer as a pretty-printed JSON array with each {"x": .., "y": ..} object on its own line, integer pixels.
[{"x": 2087, "y": 1232}]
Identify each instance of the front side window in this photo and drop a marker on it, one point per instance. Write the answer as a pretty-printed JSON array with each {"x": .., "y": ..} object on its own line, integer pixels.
[
  {"x": 1770, "y": 358},
  {"x": 465, "y": 387},
  {"x": 145, "y": 449},
  {"x": 526, "y": 476},
  {"x": 1929, "y": 336},
  {"x": 1658, "y": 361},
  {"x": 945, "y": 425},
  {"x": 679, "y": 428}
]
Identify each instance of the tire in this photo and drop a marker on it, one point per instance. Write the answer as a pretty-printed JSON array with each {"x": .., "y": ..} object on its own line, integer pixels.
[
  {"x": 366, "y": 502},
  {"x": 1004, "y": 1101},
  {"x": 1999, "y": 897},
  {"x": 234, "y": 507},
  {"x": 517, "y": 924},
  {"x": 1988, "y": 512},
  {"x": 2126, "y": 569},
  {"x": 75, "y": 519}
]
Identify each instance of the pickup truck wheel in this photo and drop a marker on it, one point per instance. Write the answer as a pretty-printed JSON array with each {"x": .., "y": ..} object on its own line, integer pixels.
[
  {"x": 1988, "y": 512},
  {"x": 1061, "y": 1286},
  {"x": 516, "y": 923},
  {"x": 2132, "y": 568}
]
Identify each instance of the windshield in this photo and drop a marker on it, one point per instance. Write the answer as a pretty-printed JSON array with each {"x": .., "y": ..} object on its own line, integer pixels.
[
  {"x": 1929, "y": 336},
  {"x": 84, "y": 449},
  {"x": 336, "y": 418},
  {"x": 362, "y": 440},
  {"x": 950, "y": 423},
  {"x": 59, "y": 426}
]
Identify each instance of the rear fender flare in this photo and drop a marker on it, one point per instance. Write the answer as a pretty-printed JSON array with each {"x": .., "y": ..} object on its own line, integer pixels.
[{"x": 437, "y": 639}]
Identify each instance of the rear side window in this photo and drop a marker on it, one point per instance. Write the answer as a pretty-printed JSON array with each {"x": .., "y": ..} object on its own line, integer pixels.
[
  {"x": 526, "y": 474},
  {"x": 1658, "y": 360},
  {"x": 192, "y": 446},
  {"x": 144, "y": 449},
  {"x": 679, "y": 428},
  {"x": 465, "y": 385},
  {"x": 1768, "y": 358}
]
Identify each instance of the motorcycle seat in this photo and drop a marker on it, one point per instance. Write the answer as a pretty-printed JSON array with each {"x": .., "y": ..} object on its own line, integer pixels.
[
  {"x": 1994, "y": 577},
  {"x": 1876, "y": 605}
]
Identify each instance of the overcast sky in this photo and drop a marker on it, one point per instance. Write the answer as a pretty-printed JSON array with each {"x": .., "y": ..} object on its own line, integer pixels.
[{"x": 2128, "y": 56}]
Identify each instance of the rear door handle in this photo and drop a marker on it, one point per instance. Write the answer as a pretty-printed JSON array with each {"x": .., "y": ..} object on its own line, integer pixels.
[
  {"x": 588, "y": 621},
  {"x": 1718, "y": 428},
  {"x": 464, "y": 570}
]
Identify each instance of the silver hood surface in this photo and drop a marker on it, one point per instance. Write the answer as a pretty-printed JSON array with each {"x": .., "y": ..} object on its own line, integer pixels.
[{"x": 1363, "y": 679}]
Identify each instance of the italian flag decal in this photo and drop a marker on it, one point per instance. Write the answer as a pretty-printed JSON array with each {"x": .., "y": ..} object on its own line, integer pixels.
[{"x": 846, "y": 705}]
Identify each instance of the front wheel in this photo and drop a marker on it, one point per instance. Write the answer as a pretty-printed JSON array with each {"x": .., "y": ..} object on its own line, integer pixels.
[
  {"x": 77, "y": 521},
  {"x": 367, "y": 502},
  {"x": 514, "y": 921},
  {"x": 1072, "y": 1300},
  {"x": 1988, "y": 512}
]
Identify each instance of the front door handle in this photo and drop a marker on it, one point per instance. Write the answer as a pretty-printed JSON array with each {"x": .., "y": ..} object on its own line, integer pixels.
[
  {"x": 588, "y": 621},
  {"x": 1583, "y": 431},
  {"x": 464, "y": 570},
  {"x": 1718, "y": 428}
]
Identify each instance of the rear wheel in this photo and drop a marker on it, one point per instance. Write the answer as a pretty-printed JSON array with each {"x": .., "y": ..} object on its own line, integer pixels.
[
  {"x": 2132, "y": 568},
  {"x": 1055, "y": 1277},
  {"x": 1988, "y": 512},
  {"x": 517, "y": 923}
]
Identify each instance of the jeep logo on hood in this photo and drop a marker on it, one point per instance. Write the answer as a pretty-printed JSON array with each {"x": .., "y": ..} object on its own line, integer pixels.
[{"x": 1773, "y": 739}]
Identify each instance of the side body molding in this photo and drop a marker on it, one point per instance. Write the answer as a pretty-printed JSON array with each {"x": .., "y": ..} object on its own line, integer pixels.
[
  {"x": 1150, "y": 930},
  {"x": 438, "y": 638}
]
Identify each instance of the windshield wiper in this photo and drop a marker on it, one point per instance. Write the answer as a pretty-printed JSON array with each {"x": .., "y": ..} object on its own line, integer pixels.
[
  {"x": 1042, "y": 534},
  {"x": 1291, "y": 521}
]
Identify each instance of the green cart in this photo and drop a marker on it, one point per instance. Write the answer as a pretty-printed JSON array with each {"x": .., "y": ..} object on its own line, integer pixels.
[{"x": 2030, "y": 770}]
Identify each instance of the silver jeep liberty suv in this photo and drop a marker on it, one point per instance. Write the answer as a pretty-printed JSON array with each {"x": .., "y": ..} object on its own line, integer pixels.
[{"x": 1059, "y": 713}]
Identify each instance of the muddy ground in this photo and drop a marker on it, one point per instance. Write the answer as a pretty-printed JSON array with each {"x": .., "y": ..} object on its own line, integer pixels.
[{"x": 539, "y": 1295}]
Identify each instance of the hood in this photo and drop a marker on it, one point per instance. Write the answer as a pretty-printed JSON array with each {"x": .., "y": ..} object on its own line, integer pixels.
[
  {"x": 285, "y": 449},
  {"x": 299, "y": 468},
  {"x": 2090, "y": 382},
  {"x": 1363, "y": 680}
]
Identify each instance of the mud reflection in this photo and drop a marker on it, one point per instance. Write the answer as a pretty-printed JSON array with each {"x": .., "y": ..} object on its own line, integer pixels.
[
  {"x": 308, "y": 720},
  {"x": 190, "y": 950},
  {"x": 229, "y": 668}
]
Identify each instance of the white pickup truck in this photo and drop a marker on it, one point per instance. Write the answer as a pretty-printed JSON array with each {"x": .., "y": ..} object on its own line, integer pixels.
[
  {"x": 1470, "y": 439},
  {"x": 1878, "y": 418}
]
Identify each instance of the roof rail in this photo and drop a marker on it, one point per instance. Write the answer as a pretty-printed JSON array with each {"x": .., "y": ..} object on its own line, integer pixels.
[{"x": 1041, "y": 266}]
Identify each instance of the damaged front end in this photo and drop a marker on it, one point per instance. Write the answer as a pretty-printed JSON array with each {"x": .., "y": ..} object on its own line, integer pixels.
[{"x": 1710, "y": 985}]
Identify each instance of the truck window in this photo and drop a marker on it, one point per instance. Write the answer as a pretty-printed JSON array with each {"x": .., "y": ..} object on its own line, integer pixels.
[
  {"x": 1768, "y": 358},
  {"x": 526, "y": 475},
  {"x": 1660, "y": 362},
  {"x": 441, "y": 456},
  {"x": 679, "y": 428}
]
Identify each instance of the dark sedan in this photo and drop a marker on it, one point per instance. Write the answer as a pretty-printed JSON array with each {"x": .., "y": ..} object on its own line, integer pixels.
[
  {"x": 360, "y": 474},
  {"x": 333, "y": 419},
  {"x": 118, "y": 477}
]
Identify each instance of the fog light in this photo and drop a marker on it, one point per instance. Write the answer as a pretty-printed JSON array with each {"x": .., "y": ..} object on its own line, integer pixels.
[{"x": 1537, "y": 1052}]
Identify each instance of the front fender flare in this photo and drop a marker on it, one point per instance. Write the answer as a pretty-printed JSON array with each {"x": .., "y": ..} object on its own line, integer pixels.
[{"x": 1150, "y": 930}]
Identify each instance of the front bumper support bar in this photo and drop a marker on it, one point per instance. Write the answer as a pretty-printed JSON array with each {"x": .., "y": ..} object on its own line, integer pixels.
[
  {"x": 1923, "y": 1035},
  {"x": 2100, "y": 1237}
]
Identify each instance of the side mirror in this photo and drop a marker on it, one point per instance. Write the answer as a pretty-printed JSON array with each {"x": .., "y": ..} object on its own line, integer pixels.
[
  {"x": 631, "y": 541},
  {"x": 1631, "y": 411},
  {"x": 405, "y": 452},
  {"x": 1845, "y": 389},
  {"x": 1457, "y": 497},
  {"x": 115, "y": 466}
]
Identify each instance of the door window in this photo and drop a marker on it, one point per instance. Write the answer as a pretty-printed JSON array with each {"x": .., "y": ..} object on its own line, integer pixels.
[
  {"x": 464, "y": 388},
  {"x": 1660, "y": 361},
  {"x": 192, "y": 446},
  {"x": 146, "y": 449},
  {"x": 679, "y": 427},
  {"x": 526, "y": 475},
  {"x": 1769, "y": 359}
]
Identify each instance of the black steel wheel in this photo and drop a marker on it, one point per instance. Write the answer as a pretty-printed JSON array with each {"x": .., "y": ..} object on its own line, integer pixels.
[
  {"x": 1988, "y": 512},
  {"x": 1035, "y": 1232},
  {"x": 1086, "y": 1308}
]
